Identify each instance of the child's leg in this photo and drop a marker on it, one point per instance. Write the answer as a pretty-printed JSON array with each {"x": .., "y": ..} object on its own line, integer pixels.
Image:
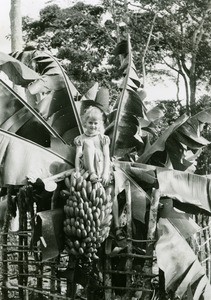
[{"x": 89, "y": 156}]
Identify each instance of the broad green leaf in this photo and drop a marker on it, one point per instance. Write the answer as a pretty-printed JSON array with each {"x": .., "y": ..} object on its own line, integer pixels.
[
  {"x": 139, "y": 197},
  {"x": 53, "y": 92},
  {"x": 189, "y": 134},
  {"x": 47, "y": 83},
  {"x": 143, "y": 175},
  {"x": 95, "y": 96},
  {"x": 187, "y": 137},
  {"x": 186, "y": 187},
  {"x": 180, "y": 220},
  {"x": 129, "y": 106},
  {"x": 91, "y": 93},
  {"x": 159, "y": 144},
  {"x": 140, "y": 172},
  {"x": 203, "y": 116},
  {"x": 171, "y": 147},
  {"x": 60, "y": 93},
  {"x": 21, "y": 159},
  {"x": 16, "y": 71},
  {"x": 179, "y": 263},
  {"x": 156, "y": 112},
  {"x": 175, "y": 152},
  {"x": 20, "y": 117},
  {"x": 49, "y": 225}
]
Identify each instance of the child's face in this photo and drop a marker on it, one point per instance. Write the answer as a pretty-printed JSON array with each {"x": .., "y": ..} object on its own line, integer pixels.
[{"x": 92, "y": 126}]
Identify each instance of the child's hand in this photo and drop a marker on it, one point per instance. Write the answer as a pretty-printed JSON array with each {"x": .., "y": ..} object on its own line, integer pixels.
[
  {"x": 93, "y": 177},
  {"x": 105, "y": 179},
  {"x": 77, "y": 174}
]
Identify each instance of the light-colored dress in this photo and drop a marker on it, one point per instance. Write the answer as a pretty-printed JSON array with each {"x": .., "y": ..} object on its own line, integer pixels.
[{"x": 97, "y": 143}]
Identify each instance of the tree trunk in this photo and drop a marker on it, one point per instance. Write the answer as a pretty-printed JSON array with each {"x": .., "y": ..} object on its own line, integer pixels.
[
  {"x": 16, "y": 26},
  {"x": 192, "y": 85},
  {"x": 187, "y": 93},
  {"x": 146, "y": 48}
]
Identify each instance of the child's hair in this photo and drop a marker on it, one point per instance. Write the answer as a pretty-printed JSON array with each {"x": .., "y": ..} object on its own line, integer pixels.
[{"x": 93, "y": 113}]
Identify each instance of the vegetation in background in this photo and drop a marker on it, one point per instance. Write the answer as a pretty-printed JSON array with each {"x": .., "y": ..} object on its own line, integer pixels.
[
  {"x": 85, "y": 37},
  {"x": 154, "y": 149}
]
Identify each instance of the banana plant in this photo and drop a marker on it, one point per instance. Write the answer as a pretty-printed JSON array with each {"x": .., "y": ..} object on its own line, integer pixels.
[
  {"x": 47, "y": 115},
  {"x": 161, "y": 163},
  {"x": 52, "y": 106},
  {"x": 128, "y": 106},
  {"x": 50, "y": 93}
]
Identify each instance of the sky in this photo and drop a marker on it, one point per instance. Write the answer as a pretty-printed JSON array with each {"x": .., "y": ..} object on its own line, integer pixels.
[
  {"x": 32, "y": 8},
  {"x": 29, "y": 8}
]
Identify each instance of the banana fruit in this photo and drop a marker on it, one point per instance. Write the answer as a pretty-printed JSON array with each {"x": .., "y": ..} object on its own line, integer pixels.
[{"x": 88, "y": 215}]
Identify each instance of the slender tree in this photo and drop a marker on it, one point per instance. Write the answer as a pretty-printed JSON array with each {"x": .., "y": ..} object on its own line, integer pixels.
[{"x": 16, "y": 26}]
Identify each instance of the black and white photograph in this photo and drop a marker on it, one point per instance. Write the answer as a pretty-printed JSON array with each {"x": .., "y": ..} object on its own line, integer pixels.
[{"x": 105, "y": 150}]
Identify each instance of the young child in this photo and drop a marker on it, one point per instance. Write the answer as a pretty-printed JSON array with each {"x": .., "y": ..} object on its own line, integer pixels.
[
  {"x": 92, "y": 147},
  {"x": 92, "y": 154}
]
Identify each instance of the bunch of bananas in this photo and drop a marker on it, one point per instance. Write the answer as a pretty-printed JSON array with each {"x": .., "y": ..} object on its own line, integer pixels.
[{"x": 88, "y": 215}]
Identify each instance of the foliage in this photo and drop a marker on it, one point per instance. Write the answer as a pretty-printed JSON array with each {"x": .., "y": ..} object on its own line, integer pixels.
[
  {"x": 82, "y": 40},
  {"x": 165, "y": 148},
  {"x": 180, "y": 39}
]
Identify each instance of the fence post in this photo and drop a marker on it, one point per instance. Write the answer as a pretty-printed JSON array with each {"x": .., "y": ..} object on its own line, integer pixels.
[
  {"x": 129, "y": 262},
  {"x": 152, "y": 225},
  {"x": 5, "y": 230}
]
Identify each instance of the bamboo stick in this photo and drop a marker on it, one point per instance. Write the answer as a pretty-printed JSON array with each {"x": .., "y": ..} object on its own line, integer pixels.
[
  {"x": 41, "y": 292},
  {"x": 152, "y": 225},
  {"x": 132, "y": 255},
  {"x": 129, "y": 262},
  {"x": 21, "y": 201},
  {"x": 4, "y": 268},
  {"x": 107, "y": 278},
  {"x": 140, "y": 241},
  {"x": 126, "y": 288},
  {"x": 53, "y": 267},
  {"x": 130, "y": 272}
]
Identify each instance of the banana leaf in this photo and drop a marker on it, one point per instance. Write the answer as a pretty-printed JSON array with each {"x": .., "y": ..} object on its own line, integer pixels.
[
  {"x": 20, "y": 117},
  {"x": 157, "y": 112},
  {"x": 160, "y": 143},
  {"x": 51, "y": 93},
  {"x": 185, "y": 187},
  {"x": 140, "y": 198},
  {"x": 55, "y": 78},
  {"x": 190, "y": 191},
  {"x": 171, "y": 148},
  {"x": 91, "y": 93},
  {"x": 16, "y": 71},
  {"x": 141, "y": 173},
  {"x": 128, "y": 107},
  {"x": 95, "y": 96},
  {"x": 203, "y": 116},
  {"x": 172, "y": 145},
  {"x": 22, "y": 160},
  {"x": 58, "y": 104},
  {"x": 49, "y": 229},
  {"x": 189, "y": 134},
  {"x": 180, "y": 265},
  {"x": 180, "y": 220}
]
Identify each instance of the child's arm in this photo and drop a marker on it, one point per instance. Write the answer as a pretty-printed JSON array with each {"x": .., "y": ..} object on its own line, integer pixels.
[
  {"x": 77, "y": 158},
  {"x": 106, "y": 165},
  {"x": 79, "y": 153}
]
